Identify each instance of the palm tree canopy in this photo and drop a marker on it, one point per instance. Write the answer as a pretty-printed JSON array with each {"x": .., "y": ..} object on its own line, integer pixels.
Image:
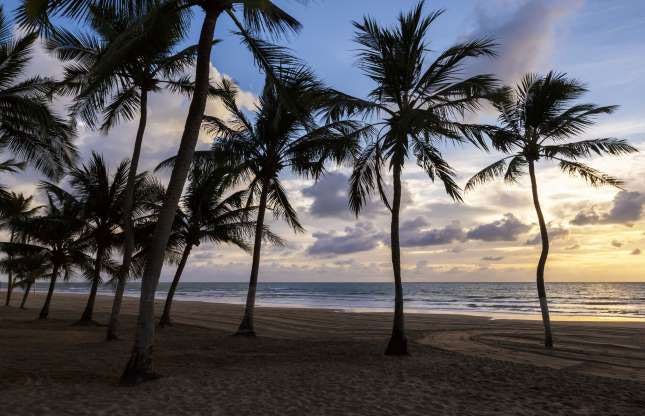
[
  {"x": 16, "y": 207},
  {"x": 537, "y": 120},
  {"x": 283, "y": 135},
  {"x": 416, "y": 104},
  {"x": 98, "y": 196},
  {"x": 55, "y": 235},
  {"x": 112, "y": 88},
  {"x": 29, "y": 129},
  {"x": 206, "y": 214}
]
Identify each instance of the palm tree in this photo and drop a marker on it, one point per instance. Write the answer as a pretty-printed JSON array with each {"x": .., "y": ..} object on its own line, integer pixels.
[
  {"x": 14, "y": 207},
  {"x": 119, "y": 90},
  {"x": 208, "y": 215},
  {"x": 421, "y": 105},
  {"x": 28, "y": 268},
  {"x": 100, "y": 195},
  {"x": 29, "y": 129},
  {"x": 56, "y": 237},
  {"x": 283, "y": 136},
  {"x": 537, "y": 119},
  {"x": 258, "y": 15}
]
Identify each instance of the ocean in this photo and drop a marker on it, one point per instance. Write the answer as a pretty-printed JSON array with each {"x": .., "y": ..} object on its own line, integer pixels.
[{"x": 567, "y": 300}]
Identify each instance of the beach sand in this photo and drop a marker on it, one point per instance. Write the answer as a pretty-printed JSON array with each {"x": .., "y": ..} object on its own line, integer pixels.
[{"x": 317, "y": 362}]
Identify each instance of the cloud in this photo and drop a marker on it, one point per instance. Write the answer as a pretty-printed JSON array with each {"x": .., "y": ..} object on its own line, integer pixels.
[
  {"x": 506, "y": 229},
  {"x": 554, "y": 234},
  {"x": 626, "y": 208},
  {"x": 525, "y": 38},
  {"x": 416, "y": 233},
  {"x": 329, "y": 196},
  {"x": 636, "y": 252},
  {"x": 492, "y": 258},
  {"x": 573, "y": 247},
  {"x": 616, "y": 243},
  {"x": 362, "y": 237}
]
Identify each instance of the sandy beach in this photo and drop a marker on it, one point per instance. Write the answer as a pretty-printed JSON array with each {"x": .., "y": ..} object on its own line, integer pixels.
[{"x": 317, "y": 362}]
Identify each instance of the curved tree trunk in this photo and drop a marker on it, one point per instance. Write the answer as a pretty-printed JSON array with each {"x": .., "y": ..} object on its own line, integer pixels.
[
  {"x": 24, "y": 296},
  {"x": 165, "y": 316},
  {"x": 544, "y": 305},
  {"x": 44, "y": 312},
  {"x": 9, "y": 276},
  {"x": 88, "y": 313},
  {"x": 398, "y": 344},
  {"x": 246, "y": 326},
  {"x": 139, "y": 367},
  {"x": 128, "y": 225}
]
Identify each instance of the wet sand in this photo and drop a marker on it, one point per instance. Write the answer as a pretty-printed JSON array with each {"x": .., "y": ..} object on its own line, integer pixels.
[{"x": 317, "y": 362}]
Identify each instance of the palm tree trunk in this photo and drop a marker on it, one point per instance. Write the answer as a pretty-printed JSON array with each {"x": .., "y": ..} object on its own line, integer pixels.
[
  {"x": 88, "y": 313},
  {"x": 128, "y": 226},
  {"x": 246, "y": 326},
  {"x": 9, "y": 275},
  {"x": 398, "y": 344},
  {"x": 165, "y": 316},
  {"x": 24, "y": 296},
  {"x": 544, "y": 306},
  {"x": 139, "y": 367},
  {"x": 44, "y": 312}
]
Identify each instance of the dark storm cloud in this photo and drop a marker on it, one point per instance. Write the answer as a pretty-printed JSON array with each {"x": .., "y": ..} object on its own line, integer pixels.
[
  {"x": 506, "y": 229},
  {"x": 362, "y": 237}
]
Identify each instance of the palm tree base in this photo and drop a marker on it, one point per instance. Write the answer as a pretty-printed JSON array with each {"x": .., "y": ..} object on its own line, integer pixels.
[
  {"x": 398, "y": 345},
  {"x": 42, "y": 316},
  {"x": 164, "y": 322},
  {"x": 548, "y": 343},
  {"x": 245, "y": 332},
  {"x": 138, "y": 369},
  {"x": 112, "y": 337}
]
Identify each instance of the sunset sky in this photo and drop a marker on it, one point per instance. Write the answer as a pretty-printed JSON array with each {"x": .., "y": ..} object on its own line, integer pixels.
[{"x": 597, "y": 233}]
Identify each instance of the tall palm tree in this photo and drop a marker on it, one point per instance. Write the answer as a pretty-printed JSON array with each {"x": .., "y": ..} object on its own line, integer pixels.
[
  {"x": 56, "y": 236},
  {"x": 14, "y": 207},
  {"x": 206, "y": 214},
  {"x": 258, "y": 15},
  {"x": 537, "y": 120},
  {"x": 413, "y": 107},
  {"x": 119, "y": 91},
  {"x": 284, "y": 136},
  {"x": 29, "y": 129},
  {"x": 100, "y": 196}
]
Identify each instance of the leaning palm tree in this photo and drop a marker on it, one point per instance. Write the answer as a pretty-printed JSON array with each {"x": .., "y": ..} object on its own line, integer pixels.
[
  {"x": 257, "y": 16},
  {"x": 537, "y": 120},
  {"x": 283, "y": 137},
  {"x": 14, "y": 207},
  {"x": 206, "y": 214},
  {"x": 56, "y": 236},
  {"x": 29, "y": 129},
  {"x": 415, "y": 106},
  {"x": 115, "y": 91},
  {"x": 99, "y": 195}
]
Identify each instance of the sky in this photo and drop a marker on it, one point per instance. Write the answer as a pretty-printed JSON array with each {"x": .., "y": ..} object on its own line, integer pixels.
[{"x": 598, "y": 234}]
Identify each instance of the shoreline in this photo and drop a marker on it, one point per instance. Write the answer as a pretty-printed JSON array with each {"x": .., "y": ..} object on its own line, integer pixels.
[
  {"x": 493, "y": 315},
  {"x": 316, "y": 361}
]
